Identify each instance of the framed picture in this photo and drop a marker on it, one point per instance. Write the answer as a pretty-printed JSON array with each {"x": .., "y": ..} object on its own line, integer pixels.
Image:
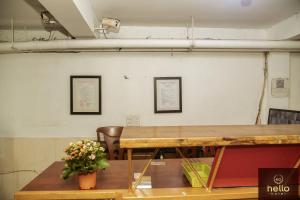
[
  {"x": 85, "y": 95},
  {"x": 167, "y": 95}
]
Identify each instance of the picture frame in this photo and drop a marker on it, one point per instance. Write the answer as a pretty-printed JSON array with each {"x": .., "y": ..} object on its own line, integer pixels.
[
  {"x": 85, "y": 95},
  {"x": 167, "y": 95}
]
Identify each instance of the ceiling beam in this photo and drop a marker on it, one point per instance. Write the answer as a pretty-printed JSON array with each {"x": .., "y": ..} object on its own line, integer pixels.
[
  {"x": 286, "y": 29},
  {"x": 76, "y": 16}
]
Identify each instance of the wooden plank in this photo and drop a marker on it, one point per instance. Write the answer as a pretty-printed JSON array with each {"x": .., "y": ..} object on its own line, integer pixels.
[
  {"x": 144, "y": 194},
  {"x": 216, "y": 168},
  {"x": 222, "y": 135},
  {"x": 152, "y": 194},
  {"x": 193, "y": 194},
  {"x": 68, "y": 195},
  {"x": 130, "y": 168},
  {"x": 297, "y": 163}
]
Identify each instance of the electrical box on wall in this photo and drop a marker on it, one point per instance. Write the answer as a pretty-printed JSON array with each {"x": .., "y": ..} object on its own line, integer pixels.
[
  {"x": 133, "y": 120},
  {"x": 280, "y": 87}
]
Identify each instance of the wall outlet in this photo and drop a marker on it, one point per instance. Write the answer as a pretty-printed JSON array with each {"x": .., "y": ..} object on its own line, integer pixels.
[{"x": 133, "y": 120}]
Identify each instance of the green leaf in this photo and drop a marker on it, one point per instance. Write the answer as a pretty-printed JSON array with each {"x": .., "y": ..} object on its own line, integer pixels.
[
  {"x": 102, "y": 164},
  {"x": 67, "y": 172}
]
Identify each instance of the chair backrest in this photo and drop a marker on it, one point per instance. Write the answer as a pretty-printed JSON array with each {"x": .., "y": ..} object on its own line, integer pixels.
[
  {"x": 282, "y": 116},
  {"x": 112, "y": 136}
]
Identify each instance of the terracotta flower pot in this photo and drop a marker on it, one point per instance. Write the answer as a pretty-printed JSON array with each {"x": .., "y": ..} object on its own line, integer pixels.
[{"x": 87, "y": 181}]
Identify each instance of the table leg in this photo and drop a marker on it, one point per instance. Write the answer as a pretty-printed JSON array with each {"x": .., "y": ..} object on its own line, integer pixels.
[
  {"x": 130, "y": 168},
  {"x": 138, "y": 181},
  {"x": 297, "y": 163},
  {"x": 215, "y": 170}
]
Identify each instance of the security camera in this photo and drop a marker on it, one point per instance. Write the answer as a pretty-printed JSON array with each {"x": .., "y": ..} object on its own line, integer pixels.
[{"x": 111, "y": 24}]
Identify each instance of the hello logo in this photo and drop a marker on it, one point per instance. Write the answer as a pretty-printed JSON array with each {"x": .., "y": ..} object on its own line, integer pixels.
[
  {"x": 279, "y": 188},
  {"x": 278, "y": 183},
  {"x": 278, "y": 179}
]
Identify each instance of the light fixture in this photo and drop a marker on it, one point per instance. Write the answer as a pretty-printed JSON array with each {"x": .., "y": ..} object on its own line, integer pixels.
[
  {"x": 111, "y": 24},
  {"x": 108, "y": 25}
]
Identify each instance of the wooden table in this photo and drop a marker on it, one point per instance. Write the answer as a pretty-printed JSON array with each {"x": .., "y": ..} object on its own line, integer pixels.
[
  {"x": 187, "y": 136},
  {"x": 168, "y": 182}
]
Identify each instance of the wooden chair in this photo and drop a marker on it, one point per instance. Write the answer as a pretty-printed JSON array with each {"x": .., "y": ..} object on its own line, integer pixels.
[
  {"x": 112, "y": 136},
  {"x": 190, "y": 152},
  {"x": 194, "y": 152},
  {"x": 209, "y": 151},
  {"x": 282, "y": 116}
]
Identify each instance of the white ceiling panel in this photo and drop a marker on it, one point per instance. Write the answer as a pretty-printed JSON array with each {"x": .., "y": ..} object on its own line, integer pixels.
[
  {"x": 24, "y": 15},
  {"x": 207, "y": 13}
]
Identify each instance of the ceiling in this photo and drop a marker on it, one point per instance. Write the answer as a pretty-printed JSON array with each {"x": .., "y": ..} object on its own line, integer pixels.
[{"x": 207, "y": 13}]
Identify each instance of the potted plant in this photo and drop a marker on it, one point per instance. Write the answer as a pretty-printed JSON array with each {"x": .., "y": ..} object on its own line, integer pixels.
[{"x": 84, "y": 158}]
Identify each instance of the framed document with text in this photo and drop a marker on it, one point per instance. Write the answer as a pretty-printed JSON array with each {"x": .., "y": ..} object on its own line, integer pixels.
[
  {"x": 85, "y": 95},
  {"x": 167, "y": 95}
]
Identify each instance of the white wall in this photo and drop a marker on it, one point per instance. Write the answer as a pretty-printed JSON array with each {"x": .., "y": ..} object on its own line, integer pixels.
[
  {"x": 218, "y": 88},
  {"x": 295, "y": 81},
  {"x": 154, "y": 32},
  {"x": 279, "y": 63},
  {"x": 25, "y": 154}
]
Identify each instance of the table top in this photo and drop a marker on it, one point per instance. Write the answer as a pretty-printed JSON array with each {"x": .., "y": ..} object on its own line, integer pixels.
[
  {"x": 168, "y": 183},
  {"x": 115, "y": 176},
  {"x": 219, "y": 135}
]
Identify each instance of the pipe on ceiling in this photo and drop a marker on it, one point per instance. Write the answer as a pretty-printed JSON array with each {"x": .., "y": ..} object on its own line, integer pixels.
[{"x": 110, "y": 44}]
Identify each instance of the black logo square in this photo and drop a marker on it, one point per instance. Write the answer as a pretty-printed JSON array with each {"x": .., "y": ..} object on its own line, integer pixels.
[{"x": 278, "y": 184}]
